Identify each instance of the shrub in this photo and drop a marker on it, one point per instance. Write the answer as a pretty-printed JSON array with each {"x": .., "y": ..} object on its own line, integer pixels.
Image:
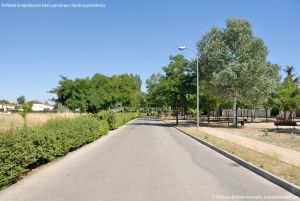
[
  {"x": 116, "y": 119},
  {"x": 22, "y": 150}
]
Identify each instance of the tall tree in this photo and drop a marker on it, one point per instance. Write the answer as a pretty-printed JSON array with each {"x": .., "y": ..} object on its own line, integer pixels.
[
  {"x": 4, "y": 101},
  {"x": 99, "y": 92},
  {"x": 173, "y": 88},
  {"x": 174, "y": 83},
  {"x": 289, "y": 92},
  {"x": 21, "y": 100},
  {"x": 290, "y": 73},
  {"x": 235, "y": 63}
]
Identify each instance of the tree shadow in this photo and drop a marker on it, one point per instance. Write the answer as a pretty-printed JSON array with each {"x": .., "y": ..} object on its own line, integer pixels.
[
  {"x": 283, "y": 130},
  {"x": 150, "y": 124}
]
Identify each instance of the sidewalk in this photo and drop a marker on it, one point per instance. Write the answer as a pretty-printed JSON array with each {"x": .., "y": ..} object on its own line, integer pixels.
[{"x": 283, "y": 154}]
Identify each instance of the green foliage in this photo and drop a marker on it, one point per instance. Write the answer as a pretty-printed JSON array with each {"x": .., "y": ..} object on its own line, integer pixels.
[
  {"x": 21, "y": 100},
  {"x": 116, "y": 119},
  {"x": 155, "y": 96},
  {"x": 108, "y": 116},
  {"x": 22, "y": 150},
  {"x": 289, "y": 94},
  {"x": 99, "y": 92},
  {"x": 4, "y": 101},
  {"x": 235, "y": 67},
  {"x": 174, "y": 87},
  {"x": 122, "y": 118},
  {"x": 25, "y": 109}
]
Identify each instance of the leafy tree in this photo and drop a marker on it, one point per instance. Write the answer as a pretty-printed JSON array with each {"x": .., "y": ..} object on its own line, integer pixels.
[
  {"x": 155, "y": 96},
  {"x": 173, "y": 88},
  {"x": 174, "y": 83},
  {"x": 25, "y": 109},
  {"x": 4, "y": 101},
  {"x": 289, "y": 93},
  {"x": 99, "y": 92},
  {"x": 290, "y": 71},
  {"x": 21, "y": 100},
  {"x": 234, "y": 61}
]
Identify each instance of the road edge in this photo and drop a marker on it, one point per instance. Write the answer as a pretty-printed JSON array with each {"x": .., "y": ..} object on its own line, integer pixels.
[{"x": 259, "y": 171}]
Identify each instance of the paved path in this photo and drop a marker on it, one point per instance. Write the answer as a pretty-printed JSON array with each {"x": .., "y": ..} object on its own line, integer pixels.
[
  {"x": 283, "y": 154},
  {"x": 143, "y": 161}
]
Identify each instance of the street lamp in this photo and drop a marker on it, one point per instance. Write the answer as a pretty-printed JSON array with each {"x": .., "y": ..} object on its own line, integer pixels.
[{"x": 181, "y": 48}]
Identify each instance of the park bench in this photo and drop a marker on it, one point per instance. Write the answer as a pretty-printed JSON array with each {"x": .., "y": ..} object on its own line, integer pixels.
[{"x": 285, "y": 123}]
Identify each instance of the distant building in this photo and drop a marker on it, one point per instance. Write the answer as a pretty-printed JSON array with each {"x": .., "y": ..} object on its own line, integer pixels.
[
  {"x": 39, "y": 106},
  {"x": 8, "y": 106}
]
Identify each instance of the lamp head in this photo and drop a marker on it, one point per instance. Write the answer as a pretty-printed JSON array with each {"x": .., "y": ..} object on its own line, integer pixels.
[{"x": 181, "y": 48}]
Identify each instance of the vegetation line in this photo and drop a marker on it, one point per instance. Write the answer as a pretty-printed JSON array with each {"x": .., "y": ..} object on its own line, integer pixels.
[{"x": 27, "y": 148}]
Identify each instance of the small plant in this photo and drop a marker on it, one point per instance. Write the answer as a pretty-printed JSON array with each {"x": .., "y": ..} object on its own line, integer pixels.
[
  {"x": 25, "y": 108},
  {"x": 265, "y": 132}
]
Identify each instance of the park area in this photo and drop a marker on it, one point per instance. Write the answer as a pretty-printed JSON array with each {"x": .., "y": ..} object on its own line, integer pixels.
[{"x": 261, "y": 143}]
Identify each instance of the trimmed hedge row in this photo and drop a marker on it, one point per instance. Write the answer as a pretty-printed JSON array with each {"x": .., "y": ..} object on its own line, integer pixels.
[
  {"x": 22, "y": 150},
  {"x": 115, "y": 120}
]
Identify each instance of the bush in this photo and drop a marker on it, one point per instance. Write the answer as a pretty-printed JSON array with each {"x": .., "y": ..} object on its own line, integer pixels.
[
  {"x": 122, "y": 118},
  {"x": 22, "y": 150},
  {"x": 114, "y": 119}
]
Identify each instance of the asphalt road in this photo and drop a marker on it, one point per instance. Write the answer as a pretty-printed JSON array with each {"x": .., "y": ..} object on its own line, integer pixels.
[{"x": 144, "y": 160}]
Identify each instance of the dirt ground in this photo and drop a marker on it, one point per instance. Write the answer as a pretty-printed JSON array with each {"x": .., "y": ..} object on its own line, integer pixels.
[{"x": 286, "y": 136}]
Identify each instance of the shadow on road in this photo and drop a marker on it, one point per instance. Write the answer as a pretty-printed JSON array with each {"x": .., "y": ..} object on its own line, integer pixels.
[{"x": 153, "y": 122}]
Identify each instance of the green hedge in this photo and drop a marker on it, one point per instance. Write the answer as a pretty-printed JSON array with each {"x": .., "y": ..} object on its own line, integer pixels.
[
  {"x": 115, "y": 120},
  {"x": 22, "y": 150}
]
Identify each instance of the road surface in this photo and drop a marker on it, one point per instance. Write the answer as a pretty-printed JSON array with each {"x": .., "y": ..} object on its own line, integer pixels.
[{"x": 145, "y": 160}]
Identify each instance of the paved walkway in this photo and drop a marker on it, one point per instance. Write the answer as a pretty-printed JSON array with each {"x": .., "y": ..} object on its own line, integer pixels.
[
  {"x": 283, "y": 154},
  {"x": 145, "y": 160}
]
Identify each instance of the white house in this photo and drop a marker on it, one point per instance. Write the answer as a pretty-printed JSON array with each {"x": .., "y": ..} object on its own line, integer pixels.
[
  {"x": 8, "y": 106},
  {"x": 39, "y": 106}
]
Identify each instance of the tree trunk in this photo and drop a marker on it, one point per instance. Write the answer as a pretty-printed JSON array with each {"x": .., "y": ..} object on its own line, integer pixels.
[
  {"x": 234, "y": 122},
  {"x": 266, "y": 109},
  {"x": 284, "y": 115},
  {"x": 252, "y": 115},
  {"x": 290, "y": 116},
  {"x": 176, "y": 117},
  {"x": 228, "y": 116},
  {"x": 236, "y": 115},
  {"x": 208, "y": 116}
]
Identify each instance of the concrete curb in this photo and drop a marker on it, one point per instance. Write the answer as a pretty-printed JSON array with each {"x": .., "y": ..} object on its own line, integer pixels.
[{"x": 261, "y": 172}]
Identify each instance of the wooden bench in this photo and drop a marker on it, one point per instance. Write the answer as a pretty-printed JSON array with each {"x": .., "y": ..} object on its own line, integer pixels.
[{"x": 285, "y": 123}]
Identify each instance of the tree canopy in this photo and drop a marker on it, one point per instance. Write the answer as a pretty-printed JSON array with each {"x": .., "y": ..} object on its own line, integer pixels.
[
  {"x": 173, "y": 87},
  {"x": 21, "y": 100},
  {"x": 234, "y": 65},
  {"x": 99, "y": 92}
]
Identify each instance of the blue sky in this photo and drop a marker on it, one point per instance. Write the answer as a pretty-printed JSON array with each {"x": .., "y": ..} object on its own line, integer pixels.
[{"x": 37, "y": 45}]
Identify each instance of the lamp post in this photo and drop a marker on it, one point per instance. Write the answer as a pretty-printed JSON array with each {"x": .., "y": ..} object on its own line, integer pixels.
[{"x": 181, "y": 48}]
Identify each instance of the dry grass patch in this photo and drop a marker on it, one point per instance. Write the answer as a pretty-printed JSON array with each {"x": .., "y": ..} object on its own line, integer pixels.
[
  {"x": 14, "y": 120},
  {"x": 273, "y": 165}
]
